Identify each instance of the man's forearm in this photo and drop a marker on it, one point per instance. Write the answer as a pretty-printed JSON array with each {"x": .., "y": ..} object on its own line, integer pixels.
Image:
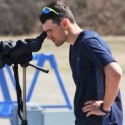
[{"x": 113, "y": 75}]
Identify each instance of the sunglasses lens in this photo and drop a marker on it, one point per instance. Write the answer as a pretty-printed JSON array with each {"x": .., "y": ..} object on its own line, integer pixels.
[{"x": 46, "y": 10}]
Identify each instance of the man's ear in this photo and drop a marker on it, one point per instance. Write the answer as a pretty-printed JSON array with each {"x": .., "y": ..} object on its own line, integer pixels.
[{"x": 65, "y": 23}]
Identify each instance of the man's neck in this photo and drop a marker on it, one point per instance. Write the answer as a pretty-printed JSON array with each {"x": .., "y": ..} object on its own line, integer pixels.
[{"x": 73, "y": 33}]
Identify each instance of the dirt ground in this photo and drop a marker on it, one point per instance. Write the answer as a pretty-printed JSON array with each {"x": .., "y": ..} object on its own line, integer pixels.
[{"x": 47, "y": 90}]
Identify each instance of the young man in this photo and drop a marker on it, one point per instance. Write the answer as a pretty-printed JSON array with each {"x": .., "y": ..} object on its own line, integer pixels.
[{"x": 95, "y": 72}]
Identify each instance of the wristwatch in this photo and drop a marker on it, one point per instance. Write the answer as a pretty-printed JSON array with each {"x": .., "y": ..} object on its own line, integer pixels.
[{"x": 103, "y": 110}]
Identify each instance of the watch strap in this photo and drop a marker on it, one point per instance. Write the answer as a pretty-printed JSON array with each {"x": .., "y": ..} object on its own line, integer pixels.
[{"x": 102, "y": 109}]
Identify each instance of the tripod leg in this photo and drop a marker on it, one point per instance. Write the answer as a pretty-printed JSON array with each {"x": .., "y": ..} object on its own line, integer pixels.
[
  {"x": 24, "y": 93},
  {"x": 24, "y": 122}
]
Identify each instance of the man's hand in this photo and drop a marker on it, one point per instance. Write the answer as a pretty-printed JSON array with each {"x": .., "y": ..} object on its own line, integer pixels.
[{"x": 91, "y": 107}]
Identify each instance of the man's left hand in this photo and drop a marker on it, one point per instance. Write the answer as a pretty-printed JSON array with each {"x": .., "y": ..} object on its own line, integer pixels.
[{"x": 91, "y": 107}]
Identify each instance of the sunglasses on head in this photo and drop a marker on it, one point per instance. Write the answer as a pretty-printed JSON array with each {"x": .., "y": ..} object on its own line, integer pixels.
[{"x": 47, "y": 10}]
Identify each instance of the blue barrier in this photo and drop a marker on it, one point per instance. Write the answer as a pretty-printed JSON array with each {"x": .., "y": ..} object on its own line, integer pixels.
[
  {"x": 41, "y": 59},
  {"x": 6, "y": 107}
]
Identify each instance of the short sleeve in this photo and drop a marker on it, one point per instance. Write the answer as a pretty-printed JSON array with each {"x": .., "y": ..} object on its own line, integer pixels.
[{"x": 97, "y": 52}]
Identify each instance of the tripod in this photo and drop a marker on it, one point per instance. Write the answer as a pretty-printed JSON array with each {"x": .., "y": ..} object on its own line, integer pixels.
[{"x": 24, "y": 120}]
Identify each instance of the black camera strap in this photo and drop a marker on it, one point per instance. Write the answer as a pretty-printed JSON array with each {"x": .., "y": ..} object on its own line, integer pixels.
[{"x": 18, "y": 91}]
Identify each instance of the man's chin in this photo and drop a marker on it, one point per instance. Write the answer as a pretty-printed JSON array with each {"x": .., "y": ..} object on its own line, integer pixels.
[{"x": 57, "y": 45}]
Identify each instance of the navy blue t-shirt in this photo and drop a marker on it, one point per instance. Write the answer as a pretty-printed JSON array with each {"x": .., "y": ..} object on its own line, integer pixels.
[{"x": 88, "y": 57}]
